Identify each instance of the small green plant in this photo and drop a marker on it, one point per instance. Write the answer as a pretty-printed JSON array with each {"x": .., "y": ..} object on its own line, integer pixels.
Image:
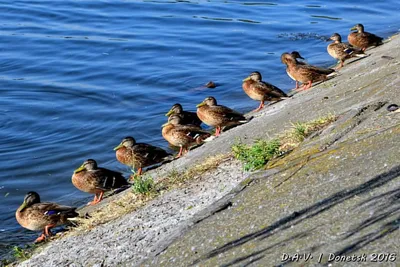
[
  {"x": 143, "y": 185},
  {"x": 20, "y": 253},
  {"x": 300, "y": 131},
  {"x": 257, "y": 155}
]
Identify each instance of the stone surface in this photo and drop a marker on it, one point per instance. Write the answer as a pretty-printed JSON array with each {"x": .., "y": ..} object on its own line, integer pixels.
[{"x": 337, "y": 193}]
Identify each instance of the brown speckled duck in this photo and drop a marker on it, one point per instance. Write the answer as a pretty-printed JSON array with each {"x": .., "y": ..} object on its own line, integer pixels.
[
  {"x": 342, "y": 51},
  {"x": 262, "y": 91},
  {"x": 296, "y": 55},
  {"x": 94, "y": 180},
  {"x": 36, "y": 216},
  {"x": 187, "y": 117},
  {"x": 362, "y": 39},
  {"x": 139, "y": 155},
  {"x": 302, "y": 73},
  {"x": 182, "y": 136},
  {"x": 218, "y": 116}
]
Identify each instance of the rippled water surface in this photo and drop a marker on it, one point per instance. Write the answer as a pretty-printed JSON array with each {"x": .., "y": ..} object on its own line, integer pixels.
[{"x": 78, "y": 76}]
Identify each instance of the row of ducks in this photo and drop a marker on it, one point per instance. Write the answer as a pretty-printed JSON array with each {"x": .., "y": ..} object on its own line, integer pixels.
[{"x": 183, "y": 130}]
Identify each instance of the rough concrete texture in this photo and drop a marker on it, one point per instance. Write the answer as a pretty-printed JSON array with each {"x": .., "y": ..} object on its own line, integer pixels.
[{"x": 337, "y": 193}]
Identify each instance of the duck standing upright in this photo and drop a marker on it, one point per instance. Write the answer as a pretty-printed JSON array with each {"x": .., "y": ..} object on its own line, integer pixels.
[
  {"x": 218, "y": 116},
  {"x": 262, "y": 91},
  {"x": 363, "y": 39},
  {"x": 139, "y": 155},
  {"x": 342, "y": 51},
  {"x": 296, "y": 55},
  {"x": 302, "y": 73},
  {"x": 95, "y": 180},
  {"x": 182, "y": 136},
  {"x": 35, "y": 215}
]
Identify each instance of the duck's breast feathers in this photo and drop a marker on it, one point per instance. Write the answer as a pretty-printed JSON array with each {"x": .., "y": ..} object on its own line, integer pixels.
[{"x": 108, "y": 179}]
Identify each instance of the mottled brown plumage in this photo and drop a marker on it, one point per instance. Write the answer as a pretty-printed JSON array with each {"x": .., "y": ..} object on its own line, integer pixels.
[
  {"x": 342, "y": 51},
  {"x": 218, "y": 116},
  {"x": 296, "y": 55},
  {"x": 262, "y": 91},
  {"x": 363, "y": 39},
  {"x": 182, "y": 136},
  {"x": 302, "y": 73},
  {"x": 94, "y": 180},
  {"x": 36, "y": 216},
  {"x": 138, "y": 155},
  {"x": 187, "y": 117}
]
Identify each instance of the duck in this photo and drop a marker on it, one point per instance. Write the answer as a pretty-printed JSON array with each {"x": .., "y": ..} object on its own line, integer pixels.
[
  {"x": 188, "y": 117},
  {"x": 139, "y": 155},
  {"x": 182, "y": 136},
  {"x": 262, "y": 91},
  {"x": 95, "y": 180},
  {"x": 296, "y": 55},
  {"x": 36, "y": 216},
  {"x": 342, "y": 51},
  {"x": 302, "y": 73},
  {"x": 363, "y": 39},
  {"x": 218, "y": 116}
]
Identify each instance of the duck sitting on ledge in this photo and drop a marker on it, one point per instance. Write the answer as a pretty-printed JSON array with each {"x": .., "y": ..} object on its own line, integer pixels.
[
  {"x": 218, "y": 116},
  {"x": 95, "y": 180},
  {"x": 182, "y": 136},
  {"x": 139, "y": 155},
  {"x": 35, "y": 215},
  {"x": 262, "y": 91},
  {"x": 363, "y": 39}
]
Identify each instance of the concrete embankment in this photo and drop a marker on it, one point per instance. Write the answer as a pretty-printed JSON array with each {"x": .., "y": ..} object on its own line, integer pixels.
[{"x": 338, "y": 192}]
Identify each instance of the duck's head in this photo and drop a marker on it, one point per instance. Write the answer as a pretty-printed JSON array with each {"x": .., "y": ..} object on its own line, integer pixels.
[
  {"x": 358, "y": 27},
  {"x": 296, "y": 54},
  {"x": 208, "y": 101},
  {"x": 336, "y": 37},
  {"x": 173, "y": 120},
  {"x": 254, "y": 76},
  {"x": 29, "y": 199},
  {"x": 287, "y": 58},
  {"x": 176, "y": 109},
  {"x": 87, "y": 165},
  {"x": 126, "y": 142}
]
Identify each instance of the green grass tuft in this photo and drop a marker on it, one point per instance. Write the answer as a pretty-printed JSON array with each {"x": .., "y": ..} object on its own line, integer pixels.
[
  {"x": 257, "y": 155},
  {"x": 143, "y": 185},
  {"x": 21, "y": 254}
]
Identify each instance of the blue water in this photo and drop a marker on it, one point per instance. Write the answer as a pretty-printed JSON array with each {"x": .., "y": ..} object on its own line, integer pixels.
[{"x": 78, "y": 76}]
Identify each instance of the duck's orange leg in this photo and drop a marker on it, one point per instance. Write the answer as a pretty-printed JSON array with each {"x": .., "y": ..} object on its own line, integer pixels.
[
  {"x": 96, "y": 199},
  {"x": 139, "y": 172},
  {"x": 180, "y": 152},
  {"x": 47, "y": 229},
  {"x": 308, "y": 86},
  {"x": 46, "y": 233},
  {"x": 41, "y": 238},
  {"x": 259, "y": 107},
  {"x": 218, "y": 131}
]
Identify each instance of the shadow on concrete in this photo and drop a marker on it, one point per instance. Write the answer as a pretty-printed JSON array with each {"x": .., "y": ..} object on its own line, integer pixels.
[{"x": 320, "y": 207}]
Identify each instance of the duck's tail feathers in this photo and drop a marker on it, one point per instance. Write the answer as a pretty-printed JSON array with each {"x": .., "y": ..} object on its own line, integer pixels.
[
  {"x": 360, "y": 55},
  {"x": 333, "y": 74},
  {"x": 209, "y": 139}
]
